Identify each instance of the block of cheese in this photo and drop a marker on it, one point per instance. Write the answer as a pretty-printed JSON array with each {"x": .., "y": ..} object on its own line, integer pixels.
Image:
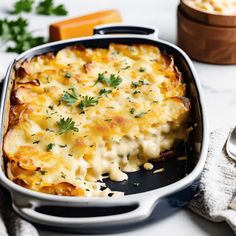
[{"x": 82, "y": 26}]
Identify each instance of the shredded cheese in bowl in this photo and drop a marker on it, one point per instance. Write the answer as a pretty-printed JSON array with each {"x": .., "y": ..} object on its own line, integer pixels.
[{"x": 222, "y": 7}]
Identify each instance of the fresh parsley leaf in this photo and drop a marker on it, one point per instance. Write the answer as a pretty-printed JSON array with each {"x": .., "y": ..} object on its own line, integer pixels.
[
  {"x": 142, "y": 69},
  {"x": 68, "y": 75},
  {"x": 125, "y": 68},
  {"x": 50, "y": 146},
  {"x": 136, "y": 92},
  {"x": 23, "y": 6},
  {"x": 36, "y": 142},
  {"x": 66, "y": 125},
  {"x": 132, "y": 110},
  {"x": 87, "y": 102},
  {"x": 47, "y": 7},
  {"x": 137, "y": 84},
  {"x": 141, "y": 114},
  {"x": 112, "y": 81},
  {"x": 70, "y": 98},
  {"x": 15, "y": 34},
  {"x": 43, "y": 172},
  {"x": 104, "y": 92}
]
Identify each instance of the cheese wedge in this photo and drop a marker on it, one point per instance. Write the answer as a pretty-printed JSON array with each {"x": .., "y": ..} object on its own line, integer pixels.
[{"x": 82, "y": 26}]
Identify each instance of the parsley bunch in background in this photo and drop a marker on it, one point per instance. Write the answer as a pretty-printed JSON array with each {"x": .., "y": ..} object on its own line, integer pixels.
[
  {"x": 15, "y": 35},
  {"x": 45, "y": 7},
  {"x": 23, "y": 6}
]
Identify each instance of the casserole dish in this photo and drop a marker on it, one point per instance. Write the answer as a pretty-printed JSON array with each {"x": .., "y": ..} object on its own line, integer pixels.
[{"x": 173, "y": 189}]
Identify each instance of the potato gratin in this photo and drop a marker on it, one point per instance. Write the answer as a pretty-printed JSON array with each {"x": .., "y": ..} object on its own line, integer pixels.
[
  {"x": 82, "y": 113},
  {"x": 222, "y": 7}
]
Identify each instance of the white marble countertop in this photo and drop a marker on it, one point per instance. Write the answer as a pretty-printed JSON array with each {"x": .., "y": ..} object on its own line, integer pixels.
[{"x": 218, "y": 82}]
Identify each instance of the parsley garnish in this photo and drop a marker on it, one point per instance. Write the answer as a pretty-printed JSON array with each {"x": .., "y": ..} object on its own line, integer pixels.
[
  {"x": 63, "y": 175},
  {"x": 66, "y": 125},
  {"x": 104, "y": 92},
  {"x": 16, "y": 35},
  {"x": 63, "y": 146},
  {"x": 23, "y": 6},
  {"x": 51, "y": 107},
  {"x": 43, "y": 172},
  {"x": 141, "y": 114},
  {"x": 50, "y": 146},
  {"x": 87, "y": 102},
  {"x": 47, "y": 7},
  {"x": 112, "y": 81},
  {"x": 132, "y": 110},
  {"x": 136, "y": 92},
  {"x": 125, "y": 68},
  {"x": 36, "y": 142},
  {"x": 68, "y": 75},
  {"x": 137, "y": 84},
  {"x": 70, "y": 98},
  {"x": 141, "y": 69}
]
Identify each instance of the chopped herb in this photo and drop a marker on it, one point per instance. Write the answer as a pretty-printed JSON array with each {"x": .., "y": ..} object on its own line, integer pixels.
[
  {"x": 47, "y": 7},
  {"x": 110, "y": 107},
  {"x": 87, "y": 102},
  {"x": 23, "y": 6},
  {"x": 63, "y": 146},
  {"x": 68, "y": 75},
  {"x": 91, "y": 146},
  {"x": 125, "y": 68},
  {"x": 136, "y": 184},
  {"x": 112, "y": 81},
  {"x": 63, "y": 175},
  {"x": 132, "y": 110},
  {"x": 51, "y": 107},
  {"x": 70, "y": 155},
  {"x": 141, "y": 114},
  {"x": 104, "y": 92},
  {"x": 136, "y": 92},
  {"x": 141, "y": 69},
  {"x": 50, "y": 146},
  {"x": 137, "y": 84},
  {"x": 158, "y": 171},
  {"x": 108, "y": 120},
  {"x": 66, "y": 125},
  {"x": 36, "y": 142},
  {"x": 87, "y": 189},
  {"x": 43, "y": 172},
  {"x": 33, "y": 134},
  {"x": 70, "y": 98},
  {"x": 49, "y": 130}
]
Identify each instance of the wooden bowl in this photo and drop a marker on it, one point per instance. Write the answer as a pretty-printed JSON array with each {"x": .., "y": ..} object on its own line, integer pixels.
[
  {"x": 208, "y": 18},
  {"x": 206, "y": 43}
]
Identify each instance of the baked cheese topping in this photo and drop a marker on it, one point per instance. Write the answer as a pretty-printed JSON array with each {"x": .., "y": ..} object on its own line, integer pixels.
[
  {"x": 83, "y": 113},
  {"x": 224, "y": 7}
]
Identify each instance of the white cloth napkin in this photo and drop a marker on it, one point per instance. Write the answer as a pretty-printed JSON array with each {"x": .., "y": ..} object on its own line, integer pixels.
[
  {"x": 217, "y": 196},
  {"x": 10, "y": 223}
]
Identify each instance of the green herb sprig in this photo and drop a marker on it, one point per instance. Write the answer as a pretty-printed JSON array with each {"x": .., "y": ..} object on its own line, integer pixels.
[
  {"x": 70, "y": 98},
  {"x": 112, "y": 81},
  {"x": 66, "y": 125},
  {"x": 87, "y": 102},
  {"x": 16, "y": 32},
  {"x": 47, "y": 7},
  {"x": 23, "y": 6}
]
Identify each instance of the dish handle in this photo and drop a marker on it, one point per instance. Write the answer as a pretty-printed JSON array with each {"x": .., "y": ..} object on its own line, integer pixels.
[
  {"x": 139, "y": 213},
  {"x": 151, "y": 32}
]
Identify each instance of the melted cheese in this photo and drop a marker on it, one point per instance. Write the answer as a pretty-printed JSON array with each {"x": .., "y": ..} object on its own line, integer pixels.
[
  {"x": 140, "y": 117},
  {"x": 224, "y": 7}
]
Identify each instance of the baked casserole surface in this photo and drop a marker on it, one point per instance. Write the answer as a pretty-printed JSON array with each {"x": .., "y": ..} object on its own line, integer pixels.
[{"x": 81, "y": 113}]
